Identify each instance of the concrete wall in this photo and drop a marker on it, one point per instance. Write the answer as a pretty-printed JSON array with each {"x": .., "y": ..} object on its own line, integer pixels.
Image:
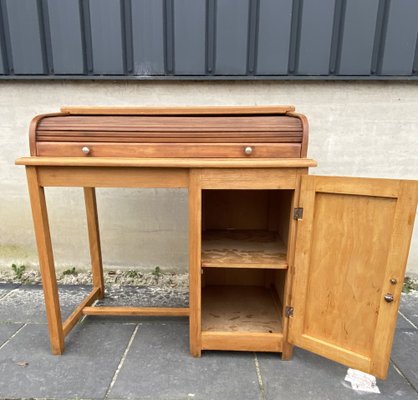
[{"x": 356, "y": 129}]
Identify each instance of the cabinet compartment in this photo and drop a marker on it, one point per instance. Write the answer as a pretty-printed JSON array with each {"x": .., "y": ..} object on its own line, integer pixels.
[
  {"x": 245, "y": 228},
  {"x": 244, "y": 261},
  {"x": 239, "y": 305}
]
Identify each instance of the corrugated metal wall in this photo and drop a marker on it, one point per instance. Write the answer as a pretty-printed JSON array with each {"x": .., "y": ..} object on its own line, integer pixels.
[{"x": 209, "y": 39}]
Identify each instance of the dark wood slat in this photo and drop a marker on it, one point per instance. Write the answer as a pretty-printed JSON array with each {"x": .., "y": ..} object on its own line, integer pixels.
[
  {"x": 100, "y": 139},
  {"x": 192, "y": 135},
  {"x": 170, "y": 124}
]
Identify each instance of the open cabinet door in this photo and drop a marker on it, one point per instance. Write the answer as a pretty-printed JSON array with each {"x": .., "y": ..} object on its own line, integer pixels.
[{"x": 351, "y": 250}]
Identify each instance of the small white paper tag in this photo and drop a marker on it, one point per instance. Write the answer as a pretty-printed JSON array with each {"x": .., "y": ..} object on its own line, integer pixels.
[{"x": 361, "y": 381}]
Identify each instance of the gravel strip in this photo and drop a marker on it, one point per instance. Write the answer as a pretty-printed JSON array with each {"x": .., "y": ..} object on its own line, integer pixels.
[{"x": 111, "y": 277}]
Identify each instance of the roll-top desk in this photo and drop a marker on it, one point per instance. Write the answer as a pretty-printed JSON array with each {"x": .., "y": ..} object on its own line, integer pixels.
[{"x": 277, "y": 257}]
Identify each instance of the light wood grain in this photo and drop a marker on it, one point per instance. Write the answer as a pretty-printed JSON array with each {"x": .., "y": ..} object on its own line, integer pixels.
[
  {"x": 94, "y": 239},
  {"x": 104, "y": 110},
  {"x": 46, "y": 260},
  {"x": 167, "y": 163},
  {"x": 113, "y": 177},
  {"x": 240, "y": 309},
  {"x": 229, "y": 178},
  {"x": 341, "y": 276},
  {"x": 283, "y": 283},
  {"x": 136, "y": 311},
  {"x": 195, "y": 244},
  {"x": 75, "y": 316},
  {"x": 167, "y": 150},
  {"x": 395, "y": 269},
  {"x": 242, "y": 341},
  {"x": 243, "y": 249}
]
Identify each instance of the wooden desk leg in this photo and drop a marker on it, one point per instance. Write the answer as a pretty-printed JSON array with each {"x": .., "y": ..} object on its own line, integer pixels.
[
  {"x": 195, "y": 217},
  {"x": 94, "y": 239},
  {"x": 46, "y": 261}
]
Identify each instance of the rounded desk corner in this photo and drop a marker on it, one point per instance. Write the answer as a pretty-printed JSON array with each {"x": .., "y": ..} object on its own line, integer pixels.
[{"x": 21, "y": 161}]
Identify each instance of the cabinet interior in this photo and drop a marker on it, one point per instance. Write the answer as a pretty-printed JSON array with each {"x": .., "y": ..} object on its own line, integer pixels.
[{"x": 244, "y": 259}]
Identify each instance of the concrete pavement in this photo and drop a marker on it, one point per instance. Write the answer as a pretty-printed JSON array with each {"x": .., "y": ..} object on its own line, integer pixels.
[{"x": 148, "y": 358}]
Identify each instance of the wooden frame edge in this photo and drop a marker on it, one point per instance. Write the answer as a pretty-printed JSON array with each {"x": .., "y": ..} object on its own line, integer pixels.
[
  {"x": 70, "y": 322},
  {"x": 32, "y": 129},
  {"x": 137, "y": 311},
  {"x": 305, "y": 132},
  {"x": 101, "y": 110},
  {"x": 122, "y": 162},
  {"x": 242, "y": 341}
]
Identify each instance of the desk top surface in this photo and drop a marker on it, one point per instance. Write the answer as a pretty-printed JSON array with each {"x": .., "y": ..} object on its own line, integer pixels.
[{"x": 167, "y": 162}]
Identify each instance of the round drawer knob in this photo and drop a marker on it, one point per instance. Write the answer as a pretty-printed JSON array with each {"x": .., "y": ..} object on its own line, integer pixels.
[
  {"x": 248, "y": 150},
  {"x": 85, "y": 150}
]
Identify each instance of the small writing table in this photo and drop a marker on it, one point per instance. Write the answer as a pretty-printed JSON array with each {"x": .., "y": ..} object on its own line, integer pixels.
[{"x": 90, "y": 173}]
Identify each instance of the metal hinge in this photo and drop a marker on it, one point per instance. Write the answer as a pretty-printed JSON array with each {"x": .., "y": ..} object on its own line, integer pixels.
[
  {"x": 288, "y": 311},
  {"x": 298, "y": 213}
]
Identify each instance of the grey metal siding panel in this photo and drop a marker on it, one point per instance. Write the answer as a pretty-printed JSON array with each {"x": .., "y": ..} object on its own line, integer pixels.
[
  {"x": 189, "y": 37},
  {"x": 106, "y": 36},
  {"x": 25, "y": 38},
  {"x": 274, "y": 36},
  {"x": 66, "y": 40},
  {"x": 148, "y": 37},
  {"x": 315, "y": 37},
  {"x": 209, "y": 39},
  {"x": 1, "y": 62},
  {"x": 231, "y": 37},
  {"x": 358, "y": 37},
  {"x": 401, "y": 38}
]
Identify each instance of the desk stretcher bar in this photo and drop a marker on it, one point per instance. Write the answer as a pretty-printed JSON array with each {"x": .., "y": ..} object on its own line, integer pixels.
[{"x": 86, "y": 308}]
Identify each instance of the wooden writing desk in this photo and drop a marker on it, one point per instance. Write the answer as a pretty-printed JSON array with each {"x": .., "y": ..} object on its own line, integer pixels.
[
  {"x": 276, "y": 257},
  {"x": 91, "y": 173}
]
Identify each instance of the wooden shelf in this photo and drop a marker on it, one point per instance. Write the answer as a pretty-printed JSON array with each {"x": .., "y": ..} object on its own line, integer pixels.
[
  {"x": 240, "y": 309},
  {"x": 243, "y": 249}
]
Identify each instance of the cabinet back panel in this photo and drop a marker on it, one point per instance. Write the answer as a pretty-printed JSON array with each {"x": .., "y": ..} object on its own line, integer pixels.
[
  {"x": 247, "y": 209},
  {"x": 235, "y": 209},
  {"x": 236, "y": 277}
]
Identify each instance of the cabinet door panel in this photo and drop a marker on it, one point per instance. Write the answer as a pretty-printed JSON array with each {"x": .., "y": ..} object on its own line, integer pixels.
[{"x": 352, "y": 241}]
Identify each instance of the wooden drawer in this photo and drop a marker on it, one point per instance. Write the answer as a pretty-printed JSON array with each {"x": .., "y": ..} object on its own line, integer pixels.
[{"x": 235, "y": 150}]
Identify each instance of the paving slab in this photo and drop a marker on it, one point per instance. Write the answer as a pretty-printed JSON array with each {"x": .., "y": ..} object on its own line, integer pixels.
[
  {"x": 6, "y": 288},
  {"x": 403, "y": 323},
  {"x": 26, "y": 303},
  {"x": 159, "y": 366},
  {"x": 405, "y": 354},
  {"x": 308, "y": 376},
  {"x": 409, "y": 307},
  {"x": 93, "y": 352},
  {"x": 7, "y": 330}
]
